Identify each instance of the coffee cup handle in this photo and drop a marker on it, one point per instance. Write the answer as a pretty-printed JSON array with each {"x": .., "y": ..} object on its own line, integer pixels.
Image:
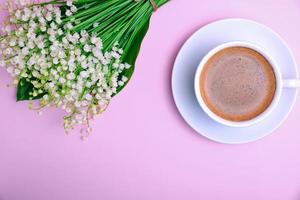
[{"x": 291, "y": 83}]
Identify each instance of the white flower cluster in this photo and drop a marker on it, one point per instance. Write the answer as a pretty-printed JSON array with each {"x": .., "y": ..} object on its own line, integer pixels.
[{"x": 67, "y": 69}]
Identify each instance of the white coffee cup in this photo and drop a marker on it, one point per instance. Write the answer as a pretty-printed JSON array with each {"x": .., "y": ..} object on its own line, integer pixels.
[{"x": 280, "y": 84}]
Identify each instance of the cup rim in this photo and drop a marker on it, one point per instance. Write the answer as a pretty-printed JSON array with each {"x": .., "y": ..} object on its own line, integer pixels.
[{"x": 262, "y": 115}]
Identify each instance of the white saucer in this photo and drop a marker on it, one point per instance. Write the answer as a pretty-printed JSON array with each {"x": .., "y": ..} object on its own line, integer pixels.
[{"x": 190, "y": 56}]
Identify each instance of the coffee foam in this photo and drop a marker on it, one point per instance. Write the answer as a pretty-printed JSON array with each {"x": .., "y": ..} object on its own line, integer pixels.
[{"x": 237, "y": 83}]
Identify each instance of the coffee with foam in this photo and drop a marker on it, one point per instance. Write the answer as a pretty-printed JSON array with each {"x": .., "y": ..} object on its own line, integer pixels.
[{"x": 237, "y": 83}]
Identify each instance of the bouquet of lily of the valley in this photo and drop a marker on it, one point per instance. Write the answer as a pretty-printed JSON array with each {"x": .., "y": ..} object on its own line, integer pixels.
[{"x": 75, "y": 55}]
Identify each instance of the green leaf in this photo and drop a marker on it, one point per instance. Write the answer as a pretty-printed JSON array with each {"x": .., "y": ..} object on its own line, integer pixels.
[
  {"x": 131, "y": 53},
  {"x": 24, "y": 88}
]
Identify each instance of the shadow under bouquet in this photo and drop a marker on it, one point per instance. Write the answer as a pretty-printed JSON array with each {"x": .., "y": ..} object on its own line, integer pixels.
[{"x": 74, "y": 55}]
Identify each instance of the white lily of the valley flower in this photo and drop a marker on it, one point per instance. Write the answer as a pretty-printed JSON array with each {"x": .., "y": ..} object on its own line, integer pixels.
[{"x": 68, "y": 70}]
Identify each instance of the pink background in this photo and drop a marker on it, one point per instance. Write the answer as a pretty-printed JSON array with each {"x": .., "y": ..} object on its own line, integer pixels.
[{"x": 141, "y": 148}]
